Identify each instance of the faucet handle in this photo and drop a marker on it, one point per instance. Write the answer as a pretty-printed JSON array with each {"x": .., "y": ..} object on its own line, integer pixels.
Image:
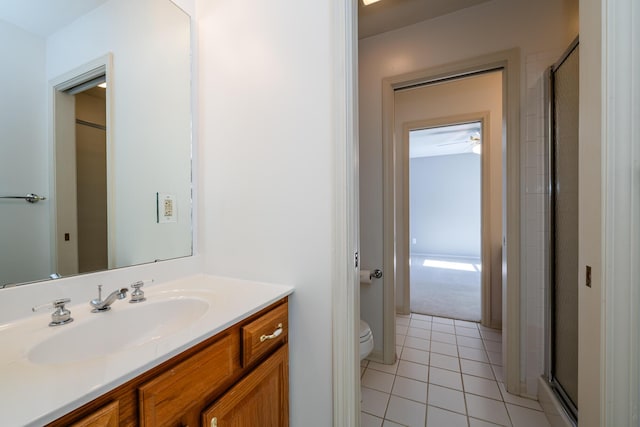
[
  {"x": 53, "y": 304},
  {"x": 61, "y": 315},
  {"x": 138, "y": 295}
]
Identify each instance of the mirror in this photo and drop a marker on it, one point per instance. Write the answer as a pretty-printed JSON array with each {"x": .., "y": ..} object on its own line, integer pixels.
[{"x": 141, "y": 210}]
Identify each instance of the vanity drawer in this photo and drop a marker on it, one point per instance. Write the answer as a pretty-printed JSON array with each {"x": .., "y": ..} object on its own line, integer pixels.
[
  {"x": 264, "y": 334},
  {"x": 107, "y": 416},
  {"x": 163, "y": 399}
]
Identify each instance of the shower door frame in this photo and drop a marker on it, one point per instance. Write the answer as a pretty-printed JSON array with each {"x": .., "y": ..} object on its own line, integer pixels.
[{"x": 550, "y": 164}]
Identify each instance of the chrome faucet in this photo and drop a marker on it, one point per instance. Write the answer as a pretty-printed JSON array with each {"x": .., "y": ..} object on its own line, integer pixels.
[
  {"x": 99, "y": 305},
  {"x": 138, "y": 294},
  {"x": 61, "y": 315}
]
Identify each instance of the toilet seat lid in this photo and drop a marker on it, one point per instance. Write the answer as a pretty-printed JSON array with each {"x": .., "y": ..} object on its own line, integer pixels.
[{"x": 365, "y": 330}]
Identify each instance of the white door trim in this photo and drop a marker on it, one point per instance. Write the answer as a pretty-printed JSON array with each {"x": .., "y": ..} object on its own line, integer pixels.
[
  {"x": 509, "y": 62},
  {"x": 621, "y": 212},
  {"x": 346, "y": 282}
]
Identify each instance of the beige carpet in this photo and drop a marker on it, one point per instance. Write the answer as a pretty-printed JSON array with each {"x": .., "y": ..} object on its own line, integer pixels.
[{"x": 446, "y": 287}]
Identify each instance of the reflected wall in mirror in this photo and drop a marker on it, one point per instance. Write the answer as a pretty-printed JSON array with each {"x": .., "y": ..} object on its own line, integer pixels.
[{"x": 143, "y": 211}]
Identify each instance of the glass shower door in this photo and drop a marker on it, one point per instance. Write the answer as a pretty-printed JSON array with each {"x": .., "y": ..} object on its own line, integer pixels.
[{"x": 563, "y": 150}]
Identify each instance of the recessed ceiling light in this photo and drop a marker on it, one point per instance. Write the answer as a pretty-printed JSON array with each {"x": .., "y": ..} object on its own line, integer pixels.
[
  {"x": 103, "y": 85},
  {"x": 368, "y": 2}
]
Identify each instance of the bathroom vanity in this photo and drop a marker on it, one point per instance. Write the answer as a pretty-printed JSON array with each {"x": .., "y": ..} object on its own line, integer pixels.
[
  {"x": 226, "y": 363},
  {"x": 232, "y": 374}
]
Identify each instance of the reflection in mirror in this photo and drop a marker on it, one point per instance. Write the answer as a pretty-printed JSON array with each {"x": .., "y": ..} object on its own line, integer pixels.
[
  {"x": 113, "y": 163},
  {"x": 80, "y": 164}
]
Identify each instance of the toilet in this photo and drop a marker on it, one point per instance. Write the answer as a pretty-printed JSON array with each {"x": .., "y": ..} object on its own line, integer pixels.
[{"x": 366, "y": 340}]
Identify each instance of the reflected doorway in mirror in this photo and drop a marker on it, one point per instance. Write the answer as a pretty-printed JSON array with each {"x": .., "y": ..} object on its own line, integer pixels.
[{"x": 81, "y": 158}]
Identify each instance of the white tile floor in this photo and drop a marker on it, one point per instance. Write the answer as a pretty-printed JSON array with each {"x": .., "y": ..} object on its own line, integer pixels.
[{"x": 448, "y": 374}]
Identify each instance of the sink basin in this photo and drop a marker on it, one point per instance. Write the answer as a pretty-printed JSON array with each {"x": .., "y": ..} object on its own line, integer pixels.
[{"x": 118, "y": 329}]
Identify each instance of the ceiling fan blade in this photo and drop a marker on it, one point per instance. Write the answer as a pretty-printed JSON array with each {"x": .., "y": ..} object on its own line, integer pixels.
[{"x": 454, "y": 142}]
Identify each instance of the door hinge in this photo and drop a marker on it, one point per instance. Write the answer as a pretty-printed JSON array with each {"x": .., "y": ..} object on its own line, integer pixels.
[{"x": 356, "y": 259}]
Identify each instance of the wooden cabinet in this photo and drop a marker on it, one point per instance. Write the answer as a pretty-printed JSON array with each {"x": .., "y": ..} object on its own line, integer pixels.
[
  {"x": 106, "y": 416},
  {"x": 240, "y": 374},
  {"x": 264, "y": 334},
  {"x": 165, "y": 399},
  {"x": 259, "y": 399}
]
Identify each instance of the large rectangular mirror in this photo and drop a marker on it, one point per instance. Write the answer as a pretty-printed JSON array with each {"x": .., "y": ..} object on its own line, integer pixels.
[{"x": 95, "y": 118}]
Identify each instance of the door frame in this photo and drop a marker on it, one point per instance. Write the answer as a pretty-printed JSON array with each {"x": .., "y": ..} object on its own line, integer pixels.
[
  {"x": 485, "y": 191},
  {"x": 509, "y": 62},
  {"x": 61, "y": 116},
  {"x": 619, "y": 295},
  {"x": 345, "y": 286}
]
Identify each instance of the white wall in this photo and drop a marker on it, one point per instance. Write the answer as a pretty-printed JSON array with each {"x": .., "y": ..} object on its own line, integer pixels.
[
  {"x": 151, "y": 84},
  {"x": 266, "y": 162},
  {"x": 24, "y": 157},
  {"x": 445, "y": 205},
  {"x": 538, "y": 28}
]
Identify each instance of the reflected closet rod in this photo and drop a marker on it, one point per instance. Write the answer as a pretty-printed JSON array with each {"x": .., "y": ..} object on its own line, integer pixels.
[{"x": 31, "y": 198}]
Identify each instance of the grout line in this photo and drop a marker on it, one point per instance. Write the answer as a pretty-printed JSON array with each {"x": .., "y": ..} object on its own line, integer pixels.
[{"x": 464, "y": 388}]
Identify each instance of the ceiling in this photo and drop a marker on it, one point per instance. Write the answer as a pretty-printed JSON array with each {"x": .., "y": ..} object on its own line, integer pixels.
[
  {"x": 444, "y": 140},
  {"x": 387, "y": 15},
  {"x": 45, "y": 17}
]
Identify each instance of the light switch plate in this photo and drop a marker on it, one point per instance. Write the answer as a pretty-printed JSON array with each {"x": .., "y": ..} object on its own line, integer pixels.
[{"x": 166, "y": 208}]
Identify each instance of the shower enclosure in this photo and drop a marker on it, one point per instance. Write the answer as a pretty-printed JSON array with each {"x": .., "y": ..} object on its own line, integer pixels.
[{"x": 562, "y": 290}]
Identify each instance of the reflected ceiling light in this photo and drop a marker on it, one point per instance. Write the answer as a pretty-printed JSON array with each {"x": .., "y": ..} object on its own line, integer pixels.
[{"x": 368, "y": 2}]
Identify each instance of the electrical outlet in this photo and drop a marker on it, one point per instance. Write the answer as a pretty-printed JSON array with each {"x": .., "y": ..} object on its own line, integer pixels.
[{"x": 166, "y": 208}]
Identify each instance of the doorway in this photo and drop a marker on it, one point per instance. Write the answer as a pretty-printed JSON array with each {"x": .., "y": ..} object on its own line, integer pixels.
[
  {"x": 475, "y": 98},
  {"x": 445, "y": 227},
  {"x": 91, "y": 179},
  {"x": 81, "y": 159},
  {"x": 505, "y": 312}
]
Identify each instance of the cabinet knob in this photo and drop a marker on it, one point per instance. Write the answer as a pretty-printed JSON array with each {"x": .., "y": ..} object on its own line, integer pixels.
[
  {"x": 214, "y": 422},
  {"x": 275, "y": 334}
]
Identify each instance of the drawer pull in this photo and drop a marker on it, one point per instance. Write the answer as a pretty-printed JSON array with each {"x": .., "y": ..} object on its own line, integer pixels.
[
  {"x": 214, "y": 422},
  {"x": 275, "y": 334}
]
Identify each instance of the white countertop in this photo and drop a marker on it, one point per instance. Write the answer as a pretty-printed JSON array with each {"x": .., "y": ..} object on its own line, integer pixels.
[{"x": 36, "y": 393}]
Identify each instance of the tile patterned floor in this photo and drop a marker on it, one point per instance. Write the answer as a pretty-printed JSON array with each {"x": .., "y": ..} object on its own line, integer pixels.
[{"x": 448, "y": 374}]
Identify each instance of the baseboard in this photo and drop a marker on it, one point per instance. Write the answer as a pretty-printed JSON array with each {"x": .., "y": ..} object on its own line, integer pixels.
[{"x": 552, "y": 407}]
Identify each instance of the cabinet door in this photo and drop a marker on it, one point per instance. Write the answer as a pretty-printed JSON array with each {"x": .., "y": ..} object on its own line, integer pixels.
[
  {"x": 166, "y": 399},
  {"x": 107, "y": 416},
  {"x": 259, "y": 399}
]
